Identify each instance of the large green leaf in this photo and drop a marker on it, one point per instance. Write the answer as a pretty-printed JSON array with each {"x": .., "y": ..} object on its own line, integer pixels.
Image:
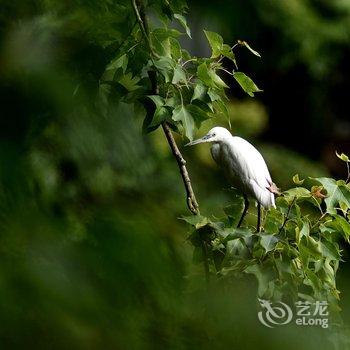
[
  {"x": 165, "y": 66},
  {"x": 182, "y": 20},
  {"x": 198, "y": 114},
  {"x": 216, "y": 43},
  {"x": 129, "y": 82},
  {"x": 246, "y": 83},
  {"x": 268, "y": 242},
  {"x": 338, "y": 194},
  {"x": 161, "y": 115},
  {"x": 209, "y": 76},
  {"x": 197, "y": 221},
  {"x": 181, "y": 114},
  {"x": 179, "y": 75},
  {"x": 199, "y": 92},
  {"x": 158, "y": 100},
  {"x": 338, "y": 224}
]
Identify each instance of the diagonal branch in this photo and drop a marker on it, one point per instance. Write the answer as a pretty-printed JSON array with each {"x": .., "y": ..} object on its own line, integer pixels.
[{"x": 191, "y": 198}]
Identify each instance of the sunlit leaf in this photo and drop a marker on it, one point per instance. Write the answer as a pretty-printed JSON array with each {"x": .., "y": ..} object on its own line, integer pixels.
[
  {"x": 181, "y": 114},
  {"x": 338, "y": 193},
  {"x": 246, "y": 83},
  {"x": 129, "y": 82},
  {"x": 183, "y": 22},
  {"x": 196, "y": 220},
  {"x": 158, "y": 100},
  {"x": 244, "y": 43},
  {"x": 268, "y": 242},
  {"x": 179, "y": 75},
  {"x": 199, "y": 92},
  {"x": 343, "y": 157},
  {"x": 216, "y": 43},
  {"x": 296, "y": 180}
]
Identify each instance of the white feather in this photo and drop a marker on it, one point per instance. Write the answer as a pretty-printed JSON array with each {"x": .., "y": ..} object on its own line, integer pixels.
[{"x": 243, "y": 165}]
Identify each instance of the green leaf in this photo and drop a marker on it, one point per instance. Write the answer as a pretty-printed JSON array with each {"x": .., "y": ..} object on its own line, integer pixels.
[
  {"x": 246, "y": 83},
  {"x": 129, "y": 82},
  {"x": 338, "y": 224},
  {"x": 297, "y": 193},
  {"x": 179, "y": 75},
  {"x": 175, "y": 49},
  {"x": 343, "y": 157},
  {"x": 209, "y": 77},
  {"x": 120, "y": 62},
  {"x": 234, "y": 211},
  {"x": 216, "y": 43},
  {"x": 203, "y": 74},
  {"x": 239, "y": 232},
  {"x": 199, "y": 92},
  {"x": 198, "y": 114},
  {"x": 313, "y": 280},
  {"x": 166, "y": 66},
  {"x": 244, "y": 43},
  {"x": 309, "y": 249},
  {"x": 235, "y": 247},
  {"x": 164, "y": 41},
  {"x": 268, "y": 242},
  {"x": 158, "y": 100},
  {"x": 227, "y": 52},
  {"x": 330, "y": 250},
  {"x": 183, "y": 22},
  {"x": 214, "y": 94},
  {"x": 338, "y": 194},
  {"x": 197, "y": 221},
  {"x": 304, "y": 231},
  {"x": 263, "y": 275},
  {"x": 160, "y": 115},
  {"x": 181, "y": 114},
  {"x": 296, "y": 180},
  {"x": 273, "y": 221}
]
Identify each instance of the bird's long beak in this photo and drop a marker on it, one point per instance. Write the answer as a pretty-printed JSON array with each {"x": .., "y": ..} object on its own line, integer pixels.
[{"x": 196, "y": 142}]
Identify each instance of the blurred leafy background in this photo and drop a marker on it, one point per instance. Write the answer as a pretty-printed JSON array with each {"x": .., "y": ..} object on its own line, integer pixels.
[{"x": 92, "y": 252}]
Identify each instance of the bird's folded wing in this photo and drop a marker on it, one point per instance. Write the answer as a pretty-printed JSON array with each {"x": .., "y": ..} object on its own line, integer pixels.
[{"x": 252, "y": 169}]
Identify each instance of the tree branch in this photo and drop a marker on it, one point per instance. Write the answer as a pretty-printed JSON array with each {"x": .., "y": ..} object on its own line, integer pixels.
[
  {"x": 191, "y": 198},
  {"x": 141, "y": 19}
]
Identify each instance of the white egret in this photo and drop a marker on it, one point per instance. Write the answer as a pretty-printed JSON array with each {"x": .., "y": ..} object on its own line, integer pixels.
[{"x": 244, "y": 167}]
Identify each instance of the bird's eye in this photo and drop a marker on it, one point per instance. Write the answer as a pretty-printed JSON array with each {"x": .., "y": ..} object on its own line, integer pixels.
[{"x": 213, "y": 134}]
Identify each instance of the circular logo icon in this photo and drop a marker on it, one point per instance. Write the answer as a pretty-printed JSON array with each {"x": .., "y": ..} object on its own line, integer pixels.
[{"x": 274, "y": 314}]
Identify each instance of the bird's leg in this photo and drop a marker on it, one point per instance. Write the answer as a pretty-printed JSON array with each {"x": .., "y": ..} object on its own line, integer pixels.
[
  {"x": 246, "y": 206},
  {"x": 259, "y": 217}
]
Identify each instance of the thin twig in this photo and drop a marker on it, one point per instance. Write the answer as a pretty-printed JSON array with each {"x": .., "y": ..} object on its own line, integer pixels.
[
  {"x": 226, "y": 71},
  {"x": 222, "y": 56},
  {"x": 318, "y": 220},
  {"x": 190, "y": 60},
  {"x": 287, "y": 216}
]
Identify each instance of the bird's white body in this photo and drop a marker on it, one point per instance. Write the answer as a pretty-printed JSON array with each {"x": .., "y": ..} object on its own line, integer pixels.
[
  {"x": 245, "y": 168},
  {"x": 242, "y": 163}
]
